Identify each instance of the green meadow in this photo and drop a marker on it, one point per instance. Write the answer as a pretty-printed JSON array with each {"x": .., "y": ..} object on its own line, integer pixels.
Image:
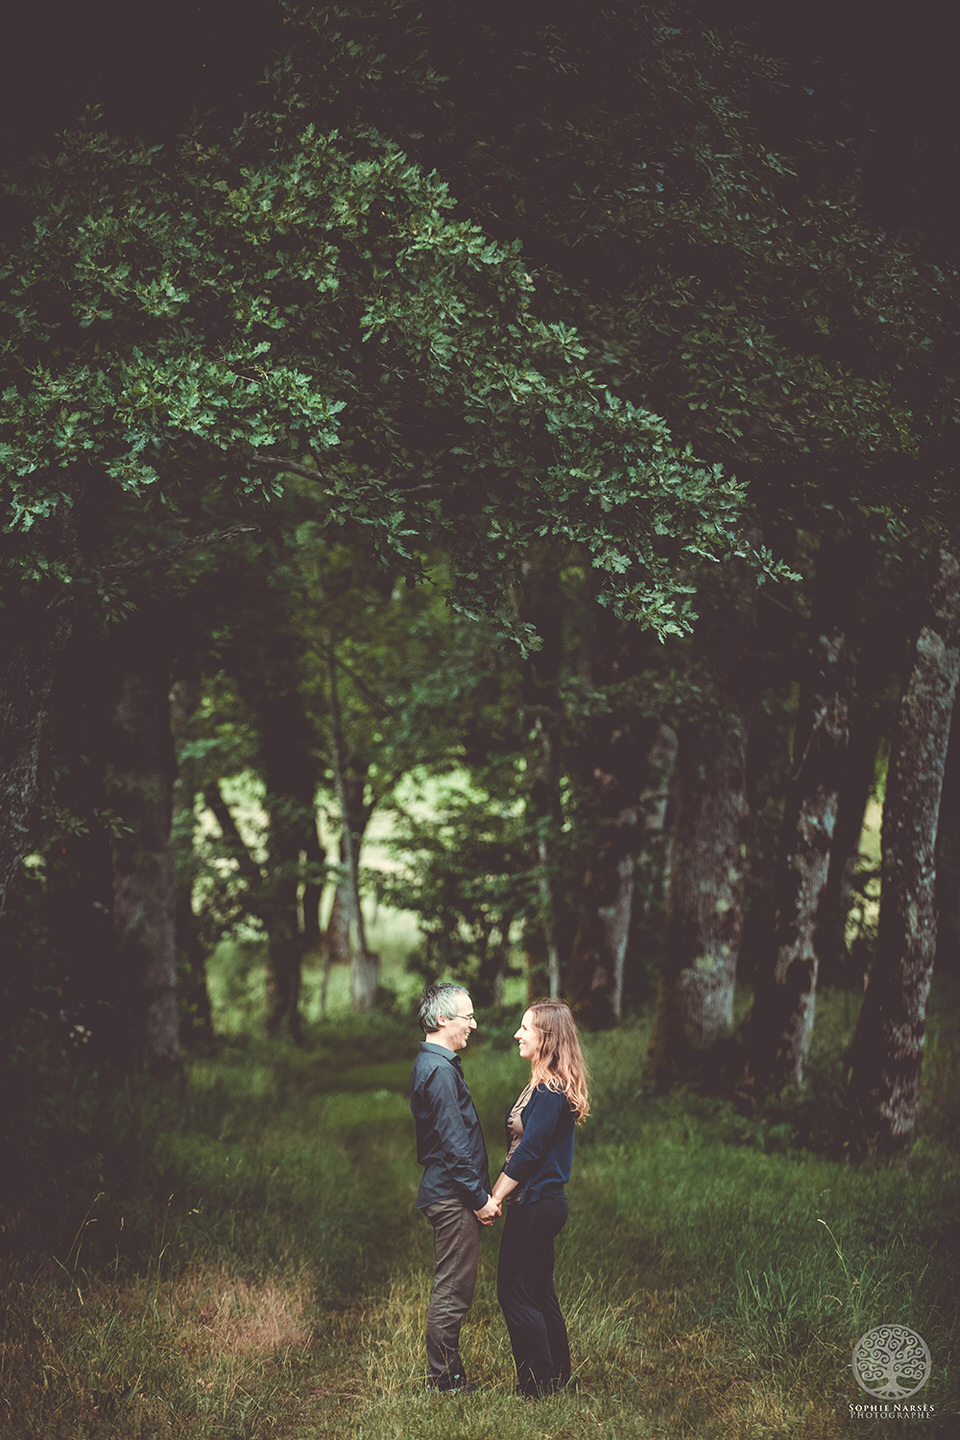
[{"x": 245, "y": 1262}]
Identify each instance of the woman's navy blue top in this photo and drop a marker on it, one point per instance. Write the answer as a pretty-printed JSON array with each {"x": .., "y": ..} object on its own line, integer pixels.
[{"x": 542, "y": 1162}]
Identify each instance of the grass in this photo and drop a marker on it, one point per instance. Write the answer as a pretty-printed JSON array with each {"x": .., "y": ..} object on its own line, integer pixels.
[{"x": 264, "y": 1277}]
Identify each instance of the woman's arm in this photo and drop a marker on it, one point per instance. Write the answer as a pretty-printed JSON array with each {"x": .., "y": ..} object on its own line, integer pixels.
[
  {"x": 502, "y": 1187},
  {"x": 540, "y": 1118}
]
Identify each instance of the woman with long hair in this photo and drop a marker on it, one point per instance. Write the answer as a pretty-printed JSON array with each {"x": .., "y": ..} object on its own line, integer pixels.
[{"x": 530, "y": 1187}]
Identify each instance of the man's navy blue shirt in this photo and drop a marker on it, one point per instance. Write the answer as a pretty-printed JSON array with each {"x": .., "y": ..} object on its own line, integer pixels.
[{"x": 449, "y": 1139}]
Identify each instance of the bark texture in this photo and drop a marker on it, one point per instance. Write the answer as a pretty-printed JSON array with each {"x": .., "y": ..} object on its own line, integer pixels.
[
  {"x": 705, "y": 904},
  {"x": 628, "y": 780},
  {"x": 705, "y": 907},
  {"x": 615, "y": 772},
  {"x": 782, "y": 1021},
  {"x": 884, "y": 1060},
  {"x": 948, "y": 860}
]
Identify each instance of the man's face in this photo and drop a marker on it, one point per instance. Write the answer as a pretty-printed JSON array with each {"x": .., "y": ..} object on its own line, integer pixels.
[{"x": 456, "y": 1029}]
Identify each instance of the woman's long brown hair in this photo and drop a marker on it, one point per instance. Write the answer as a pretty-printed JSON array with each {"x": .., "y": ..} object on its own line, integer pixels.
[{"x": 559, "y": 1063}]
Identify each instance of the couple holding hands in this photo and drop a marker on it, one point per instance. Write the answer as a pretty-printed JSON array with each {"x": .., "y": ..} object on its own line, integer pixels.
[{"x": 457, "y": 1198}]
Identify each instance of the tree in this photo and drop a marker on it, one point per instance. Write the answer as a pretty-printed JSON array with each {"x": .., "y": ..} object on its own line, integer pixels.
[
  {"x": 948, "y": 859},
  {"x": 172, "y": 340},
  {"x": 140, "y": 791},
  {"x": 747, "y": 295},
  {"x": 613, "y": 768},
  {"x": 180, "y": 318},
  {"x": 782, "y": 1020},
  {"x": 704, "y": 919},
  {"x": 883, "y": 1064}
]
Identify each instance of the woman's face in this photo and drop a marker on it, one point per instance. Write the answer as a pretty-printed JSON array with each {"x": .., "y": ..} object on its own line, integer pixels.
[{"x": 527, "y": 1037}]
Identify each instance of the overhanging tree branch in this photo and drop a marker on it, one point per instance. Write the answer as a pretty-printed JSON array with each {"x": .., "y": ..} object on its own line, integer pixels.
[{"x": 192, "y": 542}]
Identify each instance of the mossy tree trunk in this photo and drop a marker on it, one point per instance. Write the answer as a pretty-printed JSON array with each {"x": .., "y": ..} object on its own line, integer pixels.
[{"x": 885, "y": 1057}]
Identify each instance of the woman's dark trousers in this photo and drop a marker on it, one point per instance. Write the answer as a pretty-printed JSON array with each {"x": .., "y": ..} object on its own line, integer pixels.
[{"x": 527, "y": 1298}]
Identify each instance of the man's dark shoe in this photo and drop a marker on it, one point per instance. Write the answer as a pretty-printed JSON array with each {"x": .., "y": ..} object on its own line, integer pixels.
[{"x": 454, "y": 1385}]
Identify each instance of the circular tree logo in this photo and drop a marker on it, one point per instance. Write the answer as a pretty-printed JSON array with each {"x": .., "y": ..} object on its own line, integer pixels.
[{"x": 891, "y": 1362}]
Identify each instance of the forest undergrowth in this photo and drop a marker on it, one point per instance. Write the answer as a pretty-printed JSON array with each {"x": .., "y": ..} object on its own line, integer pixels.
[{"x": 256, "y": 1271}]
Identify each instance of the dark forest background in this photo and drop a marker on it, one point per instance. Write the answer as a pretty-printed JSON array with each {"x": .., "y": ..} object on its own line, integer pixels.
[{"x": 495, "y": 471}]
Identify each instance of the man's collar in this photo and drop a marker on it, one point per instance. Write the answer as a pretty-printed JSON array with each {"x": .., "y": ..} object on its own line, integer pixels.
[{"x": 435, "y": 1049}]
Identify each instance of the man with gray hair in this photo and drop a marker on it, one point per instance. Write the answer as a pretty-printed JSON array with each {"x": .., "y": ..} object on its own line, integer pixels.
[{"x": 455, "y": 1187}]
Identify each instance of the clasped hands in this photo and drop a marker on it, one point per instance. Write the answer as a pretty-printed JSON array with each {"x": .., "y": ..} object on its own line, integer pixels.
[{"x": 490, "y": 1212}]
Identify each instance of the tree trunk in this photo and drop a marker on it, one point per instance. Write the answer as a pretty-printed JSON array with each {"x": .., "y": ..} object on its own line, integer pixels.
[
  {"x": 652, "y": 874},
  {"x": 704, "y": 921},
  {"x": 782, "y": 1020},
  {"x": 78, "y": 904},
  {"x": 284, "y": 940},
  {"x": 289, "y": 802},
  {"x": 27, "y": 672},
  {"x": 705, "y": 907},
  {"x": 364, "y": 963},
  {"x": 948, "y": 860},
  {"x": 834, "y": 963},
  {"x": 196, "y": 1016},
  {"x": 288, "y": 766},
  {"x": 543, "y": 607},
  {"x": 494, "y": 952},
  {"x": 615, "y": 766},
  {"x": 140, "y": 792},
  {"x": 314, "y": 859},
  {"x": 884, "y": 1060},
  {"x": 337, "y": 935}
]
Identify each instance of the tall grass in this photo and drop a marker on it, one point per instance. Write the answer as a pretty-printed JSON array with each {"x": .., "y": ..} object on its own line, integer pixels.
[{"x": 261, "y": 1272}]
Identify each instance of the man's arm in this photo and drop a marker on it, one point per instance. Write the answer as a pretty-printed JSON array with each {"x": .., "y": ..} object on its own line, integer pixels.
[{"x": 441, "y": 1092}]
